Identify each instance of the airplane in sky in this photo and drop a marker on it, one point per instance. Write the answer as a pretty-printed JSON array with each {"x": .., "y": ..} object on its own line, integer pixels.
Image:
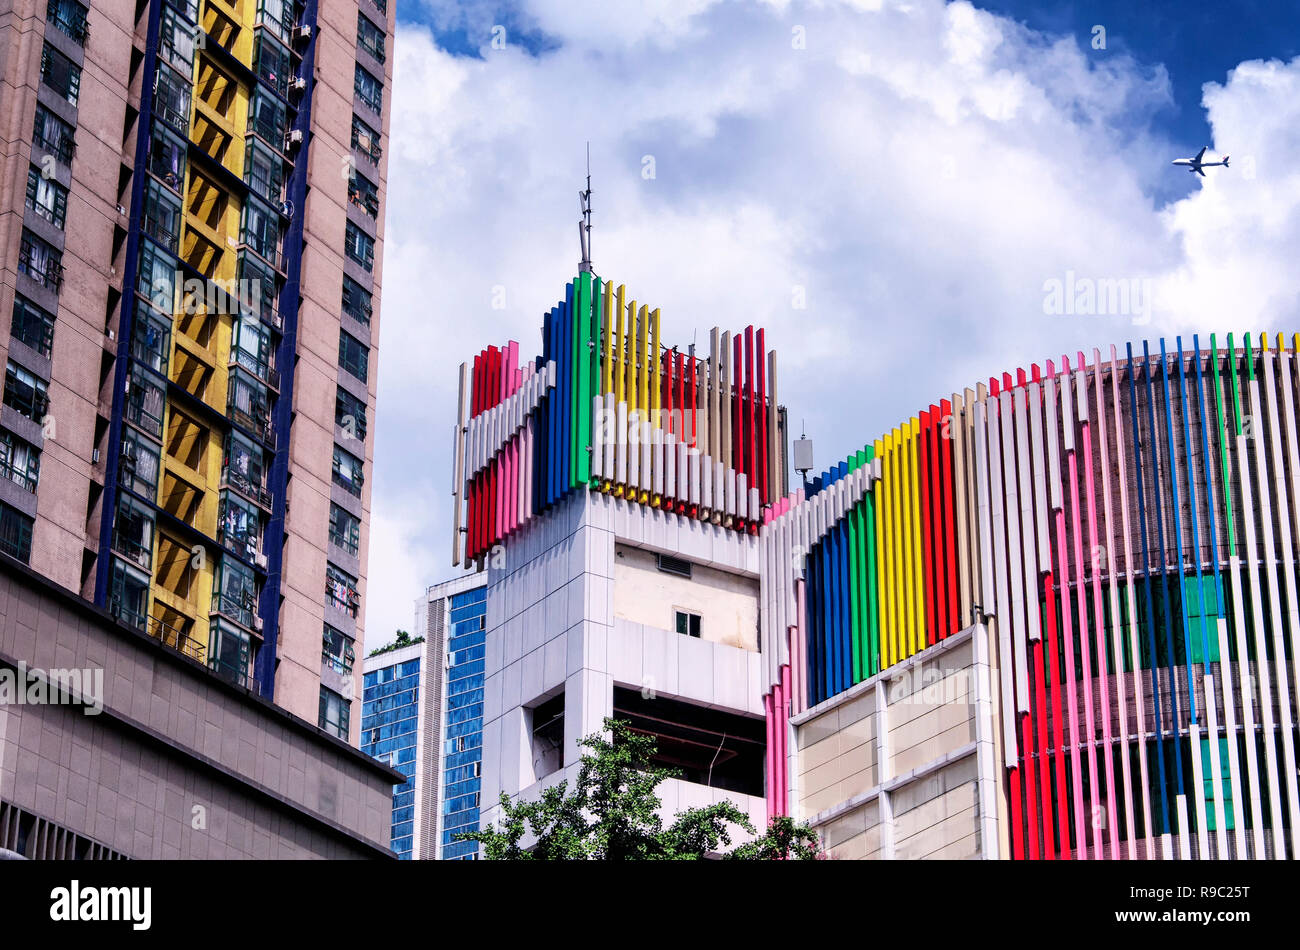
[{"x": 1195, "y": 164}]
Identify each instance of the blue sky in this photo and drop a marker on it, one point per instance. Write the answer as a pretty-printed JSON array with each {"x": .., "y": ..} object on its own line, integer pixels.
[{"x": 919, "y": 172}]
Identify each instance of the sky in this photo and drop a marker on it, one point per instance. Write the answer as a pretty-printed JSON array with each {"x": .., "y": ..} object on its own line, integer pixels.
[{"x": 899, "y": 192}]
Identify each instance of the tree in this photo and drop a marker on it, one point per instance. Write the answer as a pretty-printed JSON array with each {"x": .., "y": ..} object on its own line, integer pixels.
[{"x": 611, "y": 814}]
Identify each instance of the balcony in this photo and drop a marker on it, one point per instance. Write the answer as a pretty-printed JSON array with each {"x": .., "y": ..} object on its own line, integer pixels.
[
  {"x": 20, "y": 474},
  {"x": 41, "y": 262},
  {"x": 341, "y": 594},
  {"x": 366, "y": 200},
  {"x": 179, "y": 640},
  {"x": 129, "y": 615},
  {"x": 237, "y": 480},
  {"x": 62, "y": 147},
  {"x": 69, "y": 17},
  {"x": 133, "y": 549},
  {"x": 242, "y": 610}
]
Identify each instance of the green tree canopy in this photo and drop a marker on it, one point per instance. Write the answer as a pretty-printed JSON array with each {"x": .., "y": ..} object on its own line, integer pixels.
[{"x": 611, "y": 814}]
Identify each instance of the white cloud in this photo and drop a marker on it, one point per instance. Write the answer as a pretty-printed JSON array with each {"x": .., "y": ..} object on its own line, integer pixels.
[{"x": 920, "y": 169}]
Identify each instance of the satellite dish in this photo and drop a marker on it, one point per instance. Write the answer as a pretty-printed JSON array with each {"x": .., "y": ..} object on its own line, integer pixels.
[{"x": 286, "y": 208}]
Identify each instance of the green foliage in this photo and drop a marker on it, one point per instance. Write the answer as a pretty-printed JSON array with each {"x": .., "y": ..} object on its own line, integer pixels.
[
  {"x": 611, "y": 814},
  {"x": 403, "y": 640}
]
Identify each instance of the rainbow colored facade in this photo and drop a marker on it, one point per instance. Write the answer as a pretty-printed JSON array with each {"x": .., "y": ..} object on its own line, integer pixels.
[{"x": 1125, "y": 527}]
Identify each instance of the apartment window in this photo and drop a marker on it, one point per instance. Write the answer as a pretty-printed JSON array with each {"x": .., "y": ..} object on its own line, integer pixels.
[
  {"x": 150, "y": 339},
  {"x": 341, "y": 591},
  {"x": 337, "y": 650},
  {"x": 157, "y": 277},
  {"x": 260, "y": 277},
  {"x": 133, "y": 531},
  {"x": 360, "y": 246},
  {"x": 247, "y": 403},
  {"x": 251, "y": 348},
  {"x": 128, "y": 598},
  {"x": 348, "y": 471},
  {"x": 68, "y": 16},
  {"x": 268, "y": 118},
  {"x": 334, "y": 712},
  {"x": 41, "y": 261},
  {"x": 263, "y": 171},
  {"x": 688, "y": 623},
  {"x": 271, "y": 63},
  {"x": 244, "y": 467},
  {"x": 365, "y": 140},
  {"x": 176, "y": 41},
  {"x": 261, "y": 230},
  {"x": 364, "y": 193},
  {"x": 167, "y": 159},
  {"x": 32, "y": 325},
  {"x": 381, "y": 6},
  {"x": 277, "y": 16},
  {"x": 357, "y": 301},
  {"x": 547, "y": 727},
  {"x": 240, "y": 530},
  {"x": 345, "y": 529},
  {"x": 234, "y": 592},
  {"x": 350, "y": 414},
  {"x": 20, "y": 461},
  {"x": 15, "y": 533},
  {"x": 369, "y": 90},
  {"x": 171, "y": 99},
  {"x": 52, "y": 136},
  {"x": 46, "y": 197},
  {"x": 162, "y": 215},
  {"x": 60, "y": 74},
  {"x": 145, "y": 401},
  {"x": 230, "y": 652},
  {"x": 370, "y": 37},
  {"x": 137, "y": 465},
  {"x": 354, "y": 356},
  {"x": 26, "y": 394}
]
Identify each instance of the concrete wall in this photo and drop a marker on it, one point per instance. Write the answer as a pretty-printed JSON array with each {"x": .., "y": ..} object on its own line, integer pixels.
[
  {"x": 902, "y": 765},
  {"x": 727, "y": 603},
  {"x": 179, "y": 763}
]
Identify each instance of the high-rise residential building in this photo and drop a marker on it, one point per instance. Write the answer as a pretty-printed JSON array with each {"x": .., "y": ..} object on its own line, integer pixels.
[
  {"x": 423, "y": 714},
  {"x": 1050, "y": 616},
  {"x": 191, "y": 283}
]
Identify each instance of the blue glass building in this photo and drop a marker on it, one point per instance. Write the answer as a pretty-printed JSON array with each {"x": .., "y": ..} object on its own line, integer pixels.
[
  {"x": 463, "y": 734},
  {"x": 389, "y": 726}
]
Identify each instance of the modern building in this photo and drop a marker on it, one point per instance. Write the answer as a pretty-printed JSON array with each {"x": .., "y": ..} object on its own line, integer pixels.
[
  {"x": 422, "y": 712},
  {"x": 192, "y": 279},
  {"x": 113, "y": 745},
  {"x": 1053, "y": 615}
]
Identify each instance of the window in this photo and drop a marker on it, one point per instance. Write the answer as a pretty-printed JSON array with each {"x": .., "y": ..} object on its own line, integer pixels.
[
  {"x": 230, "y": 653},
  {"x": 15, "y": 533},
  {"x": 341, "y": 591},
  {"x": 357, "y": 301},
  {"x": 247, "y": 403},
  {"x": 20, "y": 461},
  {"x": 688, "y": 623},
  {"x": 267, "y": 118},
  {"x": 350, "y": 414},
  {"x": 68, "y": 16},
  {"x": 133, "y": 532},
  {"x": 145, "y": 401},
  {"x": 363, "y": 193},
  {"x": 61, "y": 74},
  {"x": 261, "y": 230},
  {"x": 260, "y": 278},
  {"x": 26, "y": 394},
  {"x": 137, "y": 465},
  {"x": 345, "y": 529},
  {"x": 162, "y": 215},
  {"x": 271, "y": 63},
  {"x": 348, "y": 471},
  {"x": 240, "y": 531},
  {"x": 234, "y": 591},
  {"x": 251, "y": 348},
  {"x": 150, "y": 339},
  {"x": 52, "y": 136},
  {"x": 369, "y": 90},
  {"x": 354, "y": 356},
  {"x": 674, "y": 565},
  {"x": 167, "y": 159},
  {"x": 277, "y": 16},
  {"x": 46, "y": 197},
  {"x": 334, "y": 712},
  {"x": 263, "y": 171},
  {"x": 171, "y": 99},
  {"x": 370, "y": 37},
  {"x": 244, "y": 467},
  {"x": 32, "y": 325},
  {"x": 41, "y": 261},
  {"x": 360, "y": 246},
  {"x": 176, "y": 41},
  {"x": 337, "y": 650},
  {"x": 157, "y": 278},
  {"x": 547, "y": 727},
  {"x": 365, "y": 140},
  {"x": 128, "y": 598}
]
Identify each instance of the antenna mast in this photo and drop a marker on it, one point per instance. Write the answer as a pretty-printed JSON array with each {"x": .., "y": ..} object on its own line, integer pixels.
[{"x": 584, "y": 226}]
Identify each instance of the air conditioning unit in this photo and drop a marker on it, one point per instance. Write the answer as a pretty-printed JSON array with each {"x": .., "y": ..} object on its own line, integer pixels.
[
  {"x": 94, "y": 457},
  {"x": 303, "y": 32},
  {"x": 262, "y": 562},
  {"x": 298, "y": 84},
  {"x": 293, "y": 138},
  {"x": 258, "y": 624}
]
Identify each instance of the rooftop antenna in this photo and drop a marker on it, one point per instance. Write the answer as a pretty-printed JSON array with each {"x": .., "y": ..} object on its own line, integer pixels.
[
  {"x": 584, "y": 226},
  {"x": 803, "y": 454}
]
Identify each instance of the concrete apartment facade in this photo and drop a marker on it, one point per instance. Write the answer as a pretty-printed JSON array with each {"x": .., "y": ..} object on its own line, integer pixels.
[
  {"x": 191, "y": 245},
  {"x": 156, "y": 758}
]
